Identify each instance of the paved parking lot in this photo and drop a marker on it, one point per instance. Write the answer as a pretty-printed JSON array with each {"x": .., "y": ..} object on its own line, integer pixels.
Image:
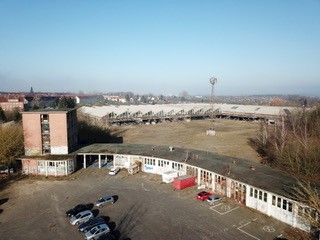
[{"x": 146, "y": 209}]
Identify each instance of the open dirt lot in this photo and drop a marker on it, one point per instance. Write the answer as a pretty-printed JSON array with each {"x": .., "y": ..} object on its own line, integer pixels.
[{"x": 231, "y": 138}]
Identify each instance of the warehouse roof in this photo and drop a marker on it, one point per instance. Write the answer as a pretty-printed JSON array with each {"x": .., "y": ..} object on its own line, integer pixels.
[
  {"x": 263, "y": 177},
  {"x": 174, "y": 109}
]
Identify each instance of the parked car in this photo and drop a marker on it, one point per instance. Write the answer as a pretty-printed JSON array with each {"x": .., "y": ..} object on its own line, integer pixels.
[
  {"x": 81, "y": 217},
  {"x": 214, "y": 199},
  {"x": 114, "y": 170},
  {"x": 203, "y": 195},
  {"x": 84, "y": 227},
  {"x": 110, "y": 236},
  {"x": 107, "y": 199},
  {"x": 6, "y": 170},
  {"x": 74, "y": 211},
  {"x": 97, "y": 231}
]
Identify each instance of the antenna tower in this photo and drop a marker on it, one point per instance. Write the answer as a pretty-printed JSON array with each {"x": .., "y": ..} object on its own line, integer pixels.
[{"x": 211, "y": 131}]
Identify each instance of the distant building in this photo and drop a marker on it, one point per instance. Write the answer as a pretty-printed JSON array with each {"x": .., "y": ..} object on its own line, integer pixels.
[
  {"x": 10, "y": 103},
  {"x": 88, "y": 99},
  {"x": 49, "y": 136},
  {"x": 115, "y": 98}
]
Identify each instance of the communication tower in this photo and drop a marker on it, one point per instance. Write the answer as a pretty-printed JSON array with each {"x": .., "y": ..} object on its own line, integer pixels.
[{"x": 212, "y": 131}]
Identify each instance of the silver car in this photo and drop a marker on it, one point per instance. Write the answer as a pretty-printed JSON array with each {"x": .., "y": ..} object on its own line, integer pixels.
[
  {"x": 107, "y": 199},
  {"x": 97, "y": 231},
  {"x": 214, "y": 199},
  {"x": 81, "y": 217}
]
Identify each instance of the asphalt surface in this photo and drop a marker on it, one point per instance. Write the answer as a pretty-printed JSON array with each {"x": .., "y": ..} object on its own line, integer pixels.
[{"x": 35, "y": 208}]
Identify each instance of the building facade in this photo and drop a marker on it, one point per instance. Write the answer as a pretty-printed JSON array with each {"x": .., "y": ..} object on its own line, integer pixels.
[
  {"x": 49, "y": 138},
  {"x": 50, "y": 132}
]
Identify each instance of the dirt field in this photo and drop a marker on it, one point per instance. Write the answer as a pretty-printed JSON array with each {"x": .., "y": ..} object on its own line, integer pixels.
[{"x": 231, "y": 139}]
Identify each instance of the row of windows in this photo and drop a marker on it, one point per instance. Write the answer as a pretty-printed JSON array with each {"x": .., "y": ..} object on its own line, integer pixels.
[
  {"x": 281, "y": 203},
  {"x": 176, "y": 166},
  {"x": 258, "y": 194},
  {"x": 150, "y": 161},
  {"x": 162, "y": 163},
  {"x": 51, "y": 163}
]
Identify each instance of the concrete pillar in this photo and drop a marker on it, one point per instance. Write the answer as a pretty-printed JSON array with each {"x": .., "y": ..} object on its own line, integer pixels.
[
  {"x": 66, "y": 163},
  {"x": 199, "y": 175},
  {"x": 99, "y": 159},
  {"x": 46, "y": 166},
  {"x": 213, "y": 182},
  {"x": 84, "y": 161}
]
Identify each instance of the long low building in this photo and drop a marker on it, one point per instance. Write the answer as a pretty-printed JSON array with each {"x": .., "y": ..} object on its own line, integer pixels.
[
  {"x": 252, "y": 184},
  {"x": 158, "y": 112}
]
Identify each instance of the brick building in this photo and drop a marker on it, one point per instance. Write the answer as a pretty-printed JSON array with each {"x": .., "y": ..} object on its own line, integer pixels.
[
  {"x": 10, "y": 103},
  {"x": 49, "y": 137}
]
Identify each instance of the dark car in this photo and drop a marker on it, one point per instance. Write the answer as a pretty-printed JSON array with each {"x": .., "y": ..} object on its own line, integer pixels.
[
  {"x": 74, "y": 211},
  {"x": 110, "y": 236},
  {"x": 84, "y": 227}
]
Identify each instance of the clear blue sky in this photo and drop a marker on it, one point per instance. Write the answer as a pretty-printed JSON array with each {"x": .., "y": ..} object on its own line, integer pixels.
[{"x": 161, "y": 47}]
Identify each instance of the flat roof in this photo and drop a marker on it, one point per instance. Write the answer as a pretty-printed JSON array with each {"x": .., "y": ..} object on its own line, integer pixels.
[
  {"x": 263, "y": 177},
  {"x": 49, "y": 110}
]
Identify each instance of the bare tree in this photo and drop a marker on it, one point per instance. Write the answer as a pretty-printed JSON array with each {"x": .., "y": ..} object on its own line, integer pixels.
[{"x": 309, "y": 196}]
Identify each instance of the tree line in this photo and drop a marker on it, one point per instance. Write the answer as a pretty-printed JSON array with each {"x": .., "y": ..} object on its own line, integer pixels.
[{"x": 292, "y": 144}]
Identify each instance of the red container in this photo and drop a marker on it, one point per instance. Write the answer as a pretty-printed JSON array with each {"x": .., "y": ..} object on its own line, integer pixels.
[{"x": 182, "y": 182}]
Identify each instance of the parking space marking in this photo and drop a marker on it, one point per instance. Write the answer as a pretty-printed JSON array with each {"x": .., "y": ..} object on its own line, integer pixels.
[
  {"x": 239, "y": 228},
  {"x": 225, "y": 208},
  {"x": 268, "y": 229}
]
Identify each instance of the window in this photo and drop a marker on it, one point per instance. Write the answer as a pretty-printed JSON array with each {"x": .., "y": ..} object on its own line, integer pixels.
[
  {"x": 284, "y": 204},
  {"x": 51, "y": 164},
  {"x": 251, "y": 192},
  {"x": 273, "y": 200},
  {"x": 279, "y": 202},
  {"x": 255, "y": 193},
  {"x": 289, "y": 206},
  {"x": 265, "y": 197},
  {"x": 260, "y": 195}
]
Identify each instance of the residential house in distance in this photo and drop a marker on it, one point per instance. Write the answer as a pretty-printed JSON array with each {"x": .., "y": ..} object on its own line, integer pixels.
[
  {"x": 119, "y": 99},
  {"x": 49, "y": 137}
]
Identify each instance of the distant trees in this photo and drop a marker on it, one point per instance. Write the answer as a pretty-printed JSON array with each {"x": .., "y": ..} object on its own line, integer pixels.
[{"x": 66, "y": 102}]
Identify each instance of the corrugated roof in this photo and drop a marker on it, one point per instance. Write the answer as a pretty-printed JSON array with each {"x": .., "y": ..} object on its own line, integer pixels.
[{"x": 173, "y": 109}]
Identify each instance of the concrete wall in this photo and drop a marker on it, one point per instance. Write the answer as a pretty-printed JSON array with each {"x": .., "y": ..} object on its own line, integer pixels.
[
  {"x": 32, "y": 134},
  {"x": 58, "y": 133}
]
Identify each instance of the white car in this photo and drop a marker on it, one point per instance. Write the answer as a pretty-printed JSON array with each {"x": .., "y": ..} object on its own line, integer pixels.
[
  {"x": 81, "y": 217},
  {"x": 97, "y": 231},
  {"x": 114, "y": 171}
]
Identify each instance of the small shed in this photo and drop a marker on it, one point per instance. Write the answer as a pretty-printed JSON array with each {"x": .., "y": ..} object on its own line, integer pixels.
[{"x": 168, "y": 176}]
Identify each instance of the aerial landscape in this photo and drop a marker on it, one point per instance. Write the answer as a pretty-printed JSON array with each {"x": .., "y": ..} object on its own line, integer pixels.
[{"x": 160, "y": 120}]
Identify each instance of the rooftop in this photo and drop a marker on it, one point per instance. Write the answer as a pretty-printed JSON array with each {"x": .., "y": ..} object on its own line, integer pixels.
[{"x": 255, "y": 174}]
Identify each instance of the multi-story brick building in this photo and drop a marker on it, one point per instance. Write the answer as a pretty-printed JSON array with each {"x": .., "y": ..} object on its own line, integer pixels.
[
  {"x": 48, "y": 133},
  {"x": 10, "y": 103}
]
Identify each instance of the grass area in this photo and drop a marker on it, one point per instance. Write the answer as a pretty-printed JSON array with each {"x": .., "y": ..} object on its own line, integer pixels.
[{"x": 231, "y": 138}]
